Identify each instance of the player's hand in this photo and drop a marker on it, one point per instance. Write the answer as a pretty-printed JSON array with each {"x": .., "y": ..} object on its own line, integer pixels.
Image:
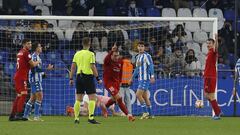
[
  {"x": 71, "y": 82},
  {"x": 50, "y": 67},
  {"x": 37, "y": 62},
  {"x": 114, "y": 48},
  {"x": 99, "y": 82},
  {"x": 152, "y": 80},
  {"x": 234, "y": 92},
  {"x": 130, "y": 81}
]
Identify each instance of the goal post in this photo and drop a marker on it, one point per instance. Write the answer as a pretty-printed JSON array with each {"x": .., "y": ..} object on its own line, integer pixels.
[{"x": 175, "y": 90}]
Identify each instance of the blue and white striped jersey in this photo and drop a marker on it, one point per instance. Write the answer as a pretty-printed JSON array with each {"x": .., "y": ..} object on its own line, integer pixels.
[
  {"x": 237, "y": 69},
  {"x": 144, "y": 67},
  {"x": 35, "y": 74}
]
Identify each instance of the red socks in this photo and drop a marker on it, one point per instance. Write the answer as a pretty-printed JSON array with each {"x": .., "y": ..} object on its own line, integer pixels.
[
  {"x": 122, "y": 106},
  {"x": 14, "y": 106},
  {"x": 215, "y": 107},
  {"x": 20, "y": 103}
]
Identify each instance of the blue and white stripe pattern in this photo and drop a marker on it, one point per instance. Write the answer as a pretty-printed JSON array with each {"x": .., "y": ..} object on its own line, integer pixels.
[
  {"x": 35, "y": 74},
  {"x": 144, "y": 67},
  {"x": 237, "y": 69}
]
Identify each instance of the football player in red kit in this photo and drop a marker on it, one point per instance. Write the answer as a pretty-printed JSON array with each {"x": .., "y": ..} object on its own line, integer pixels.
[
  {"x": 210, "y": 76},
  {"x": 24, "y": 63},
  {"x": 112, "y": 76}
]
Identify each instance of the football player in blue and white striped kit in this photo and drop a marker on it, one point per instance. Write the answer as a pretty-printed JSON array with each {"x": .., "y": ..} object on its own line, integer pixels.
[
  {"x": 236, "y": 77},
  {"x": 145, "y": 71},
  {"x": 35, "y": 80}
]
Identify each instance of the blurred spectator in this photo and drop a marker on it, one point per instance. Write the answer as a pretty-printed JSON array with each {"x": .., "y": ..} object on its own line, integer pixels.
[
  {"x": 181, "y": 4},
  {"x": 163, "y": 3},
  {"x": 177, "y": 62},
  {"x": 153, "y": 46},
  {"x": 100, "y": 7},
  {"x": 78, "y": 34},
  {"x": 6, "y": 38},
  {"x": 179, "y": 34},
  {"x": 59, "y": 7},
  {"x": 228, "y": 35},
  {"x": 69, "y": 7},
  {"x": 214, "y": 4},
  {"x": 7, "y": 91},
  {"x": 115, "y": 36},
  {"x": 13, "y": 7},
  {"x": 195, "y": 4},
  {"x": 161, "y": 62},
  {"x": 81, "y": 7},
  {"x": 223, "y": 50},
  {"x": 168, "y": 47},
  {"x": 133, "y": 10},
  {"x": 145, "y": 3},
  {"x": 193, "y": 66}
]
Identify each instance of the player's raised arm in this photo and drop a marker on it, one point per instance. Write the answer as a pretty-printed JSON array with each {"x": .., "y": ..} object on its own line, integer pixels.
[
  {"x": 107, "y": 59},
  {"x": 216, "y": 43}
]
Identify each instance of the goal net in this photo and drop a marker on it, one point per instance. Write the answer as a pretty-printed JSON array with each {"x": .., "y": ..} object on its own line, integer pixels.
[{"x": 177, "y": 46}]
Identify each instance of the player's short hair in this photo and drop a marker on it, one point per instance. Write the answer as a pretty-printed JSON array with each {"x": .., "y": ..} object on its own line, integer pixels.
[
  {"x": 35, "y": 46},
  {"x": 86, "y": 41},
  {"x": 141, "y": 43},
  {"x": 212, "y": 40},
  {"x": 25, "y": 41}
]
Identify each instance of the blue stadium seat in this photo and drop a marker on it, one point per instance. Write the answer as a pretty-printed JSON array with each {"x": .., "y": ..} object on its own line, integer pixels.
[
  {"x": 3, "y": 57},
  {"x": 145, "y": 3},
  {"x": 67, "y": 56},
  {"x": 53, "y": 56},
  {"x": 10, "y": 68},
  {"x": 134, "y": 34},
  {"x": 224, "y": 71},
  {"x": 231, "y": 59},
  {"x": 141, "y": 12},
  {"x": 110, "y": 12},
  {"x": 3, "y": 23},
  {"x": 153, "y": 12},
  {"x": 229, "y": 15}
]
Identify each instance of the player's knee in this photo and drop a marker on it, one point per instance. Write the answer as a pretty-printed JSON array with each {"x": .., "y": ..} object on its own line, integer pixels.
[{"x": 211, "y": 97}]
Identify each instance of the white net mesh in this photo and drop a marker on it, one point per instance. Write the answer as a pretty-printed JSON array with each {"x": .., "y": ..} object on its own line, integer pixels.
[{"x": 171, "y": 43}]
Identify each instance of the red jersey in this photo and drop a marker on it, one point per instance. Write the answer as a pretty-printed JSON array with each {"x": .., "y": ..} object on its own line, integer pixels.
[
  {"x": 210, "y": 67},
  {"x": 112, "y": 70},
  {"x": 23, "y": 67}
]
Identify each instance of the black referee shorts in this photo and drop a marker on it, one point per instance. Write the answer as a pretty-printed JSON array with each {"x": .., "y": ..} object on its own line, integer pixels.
[{"x": 85, "y": 83}]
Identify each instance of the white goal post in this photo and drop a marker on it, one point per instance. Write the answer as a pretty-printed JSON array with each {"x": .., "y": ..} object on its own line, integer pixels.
[{"x": 52, "y": 106}]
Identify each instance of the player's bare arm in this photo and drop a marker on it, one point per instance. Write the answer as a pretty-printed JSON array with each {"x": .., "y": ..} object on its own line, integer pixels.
[
  {"x": 95, "y": 72},
  {"x": 216, "y": 43},
  {"x": 33, "y": 63},
  {"x": 73, "y": 70}
]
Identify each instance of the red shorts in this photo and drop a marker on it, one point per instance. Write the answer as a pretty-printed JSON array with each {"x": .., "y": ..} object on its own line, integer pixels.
[
  {"x": 20, "y": 85},
  {"x": 209, "y": 85},
  {"x": 113, "y": 88}
]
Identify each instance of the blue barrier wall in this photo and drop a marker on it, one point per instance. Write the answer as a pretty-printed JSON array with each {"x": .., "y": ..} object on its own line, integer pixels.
[{"x": 168, "y": 96}]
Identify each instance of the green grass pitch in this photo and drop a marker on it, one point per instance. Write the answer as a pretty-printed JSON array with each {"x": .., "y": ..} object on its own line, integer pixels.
[{"x": 164, "y": 125}]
